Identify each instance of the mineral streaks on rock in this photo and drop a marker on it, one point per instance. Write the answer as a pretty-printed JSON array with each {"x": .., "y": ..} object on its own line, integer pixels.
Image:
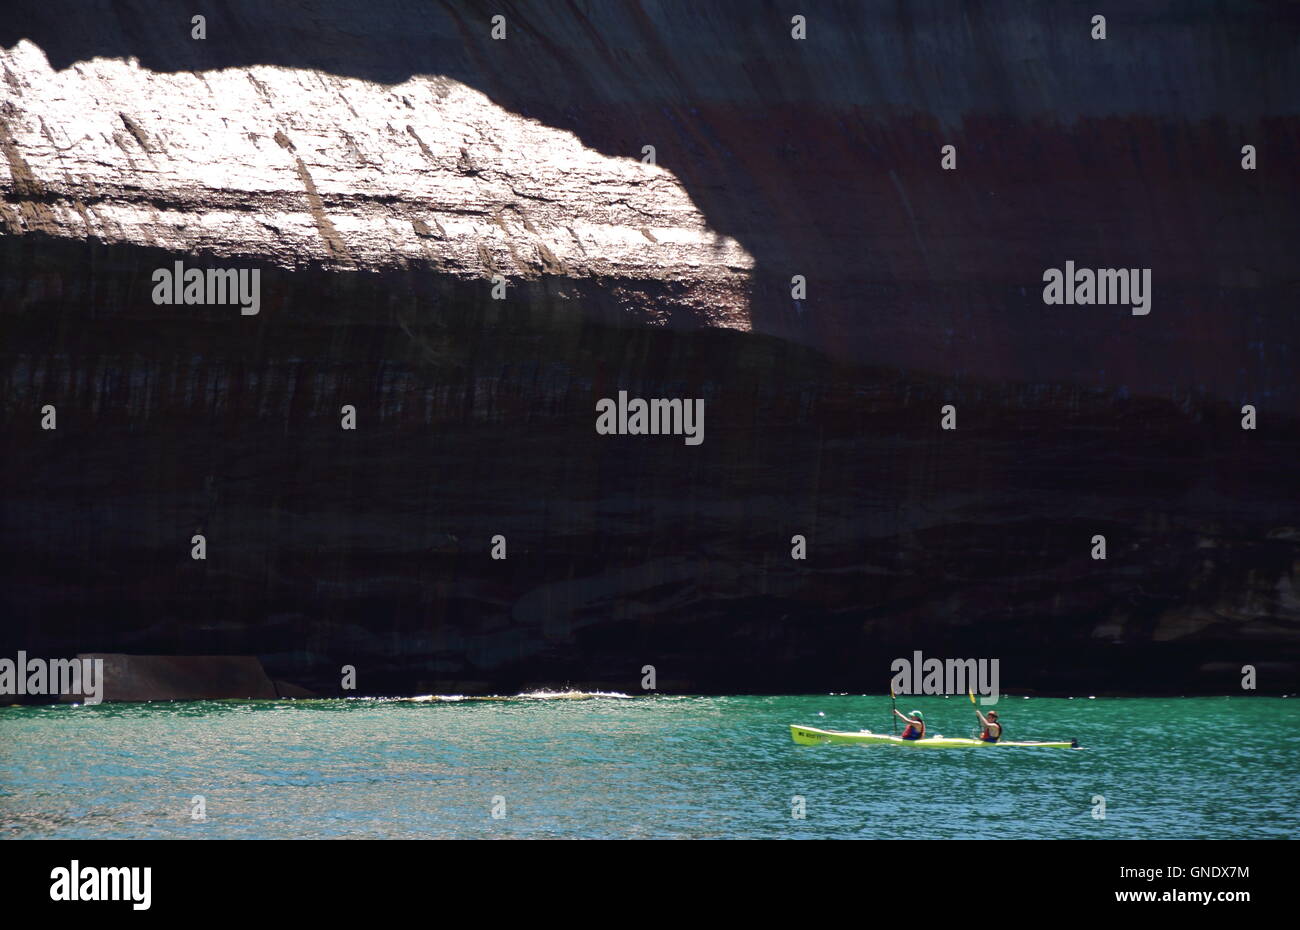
[{"x": 293, "y": 166}]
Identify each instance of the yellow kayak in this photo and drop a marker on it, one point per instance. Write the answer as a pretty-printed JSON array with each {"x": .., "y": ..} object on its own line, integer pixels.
[{"x": 811, "y": 736}]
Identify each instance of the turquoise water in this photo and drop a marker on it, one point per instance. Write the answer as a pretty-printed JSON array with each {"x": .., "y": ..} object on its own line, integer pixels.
[{"x": 646, "y": 767}]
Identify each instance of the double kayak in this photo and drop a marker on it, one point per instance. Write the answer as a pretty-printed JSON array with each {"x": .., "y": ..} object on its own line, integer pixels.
[{"x": 811, "y": 736}]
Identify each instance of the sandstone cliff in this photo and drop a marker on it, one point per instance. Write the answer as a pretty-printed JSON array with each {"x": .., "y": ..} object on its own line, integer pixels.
[{"x": 379, "y": 163}]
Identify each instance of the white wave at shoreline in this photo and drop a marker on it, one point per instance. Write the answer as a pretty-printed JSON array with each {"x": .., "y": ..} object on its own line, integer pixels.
[{"x": 540, "y": 695}]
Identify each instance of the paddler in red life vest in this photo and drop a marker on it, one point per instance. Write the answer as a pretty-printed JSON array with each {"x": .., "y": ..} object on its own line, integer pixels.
[
  {"x": 992, "y": 731},
  {"x": 915, "y": 728}
]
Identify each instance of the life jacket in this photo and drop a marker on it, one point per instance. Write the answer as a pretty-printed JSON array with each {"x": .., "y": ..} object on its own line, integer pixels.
[
  {"x": 915, "y": 733},
  {"x": 988, "y": 737}
]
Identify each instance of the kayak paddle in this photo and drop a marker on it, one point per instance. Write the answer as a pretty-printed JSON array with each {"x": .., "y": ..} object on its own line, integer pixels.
[{"x": 893, "y": 721}]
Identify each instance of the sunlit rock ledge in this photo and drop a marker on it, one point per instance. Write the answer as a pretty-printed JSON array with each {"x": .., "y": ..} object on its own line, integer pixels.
[{"x": 292, "y": 167}]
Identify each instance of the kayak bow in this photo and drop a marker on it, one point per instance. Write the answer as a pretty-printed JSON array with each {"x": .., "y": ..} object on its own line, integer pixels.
[{"x": 811, "y": 736}]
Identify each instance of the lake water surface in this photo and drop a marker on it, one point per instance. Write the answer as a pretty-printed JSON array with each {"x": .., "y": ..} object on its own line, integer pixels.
[{"x": 686, "y": 767}]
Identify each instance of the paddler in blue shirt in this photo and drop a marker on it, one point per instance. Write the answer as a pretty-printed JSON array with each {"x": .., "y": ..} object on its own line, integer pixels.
[
  {"x": 915, "y": 728},
  {"x": 992, "y": 729}
]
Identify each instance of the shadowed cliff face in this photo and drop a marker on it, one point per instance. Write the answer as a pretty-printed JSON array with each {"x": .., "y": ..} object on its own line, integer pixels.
[
  {"x": 818, "y": 157},
  {"x": 776, "y": 158},
  {"x": 370, "y": 548}
]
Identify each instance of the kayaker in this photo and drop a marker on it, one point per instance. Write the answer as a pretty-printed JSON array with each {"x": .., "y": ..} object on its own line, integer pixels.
[
  {"x": 992, "y": 731},
  {"x": 915, "y": 728}
]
